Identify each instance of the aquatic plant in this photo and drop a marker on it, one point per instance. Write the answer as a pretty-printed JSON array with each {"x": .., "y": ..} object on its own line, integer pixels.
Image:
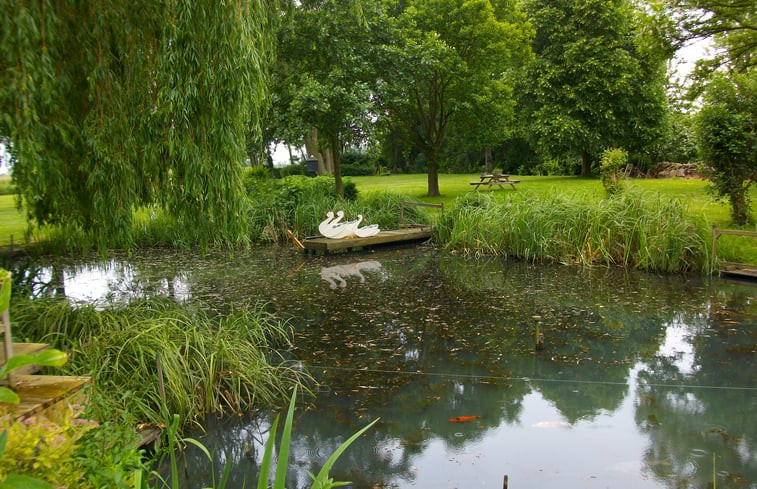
[
  {"x": 320, "y": 481},
  {"x": 224, "y": 363},
  {"x": 633, "y": 229}
]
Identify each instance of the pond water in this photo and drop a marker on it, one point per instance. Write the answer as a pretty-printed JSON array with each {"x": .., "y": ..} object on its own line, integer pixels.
[{"x": 644, "y": 381}]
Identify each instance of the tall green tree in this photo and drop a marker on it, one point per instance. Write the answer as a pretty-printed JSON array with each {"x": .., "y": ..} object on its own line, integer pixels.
[
  {"x": 727, "y": 136},
  {"x": 597, "y": 80},
  {"x": 449, "y": 62},
  {"x": 325, "y": 64},
  {"x": 111, "y": 105}
]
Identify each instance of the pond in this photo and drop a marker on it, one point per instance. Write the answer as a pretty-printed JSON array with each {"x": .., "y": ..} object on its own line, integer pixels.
[{"x": 644, "y": 381}]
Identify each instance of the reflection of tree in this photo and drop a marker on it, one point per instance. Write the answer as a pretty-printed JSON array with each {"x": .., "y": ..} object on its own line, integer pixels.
[{"x": 688, "y": 424}]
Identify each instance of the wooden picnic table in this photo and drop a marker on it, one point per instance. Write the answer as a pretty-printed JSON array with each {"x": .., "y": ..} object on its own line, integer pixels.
[{"x": 490, "y": 179}]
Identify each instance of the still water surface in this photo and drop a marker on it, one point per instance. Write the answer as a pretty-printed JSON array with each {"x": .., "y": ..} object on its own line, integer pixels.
[{"x": 644, "y": 381}]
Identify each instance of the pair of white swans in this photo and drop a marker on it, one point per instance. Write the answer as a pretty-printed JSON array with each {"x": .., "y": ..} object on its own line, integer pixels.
[{"x": 332, "y": 227}]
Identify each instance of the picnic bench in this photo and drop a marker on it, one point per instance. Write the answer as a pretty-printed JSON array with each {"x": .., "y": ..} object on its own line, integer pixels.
[{"x": 490, "y": 179}]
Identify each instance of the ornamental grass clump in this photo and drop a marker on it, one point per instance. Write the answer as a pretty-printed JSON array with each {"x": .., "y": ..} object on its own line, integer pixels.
[
  {"x": 631, "y": 229},
  {"x": 210, "y": 363}
]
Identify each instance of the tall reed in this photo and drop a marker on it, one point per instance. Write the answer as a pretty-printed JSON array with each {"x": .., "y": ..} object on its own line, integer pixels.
[
  {"x": 228, "y": 363},
  {"x": 633, "y": 229}
]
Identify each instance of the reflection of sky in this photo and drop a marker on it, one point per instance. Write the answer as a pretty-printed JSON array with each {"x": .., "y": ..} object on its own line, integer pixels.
[
  {"x": 678, "y": 348},
  {"x": 115, "y": 282}
]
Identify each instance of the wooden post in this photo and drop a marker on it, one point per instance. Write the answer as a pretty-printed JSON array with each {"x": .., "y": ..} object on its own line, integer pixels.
[{"x": 504, "y": 482}]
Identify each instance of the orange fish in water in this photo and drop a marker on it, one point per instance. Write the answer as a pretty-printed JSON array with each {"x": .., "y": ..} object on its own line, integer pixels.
[{"x": 463, "y": 419}]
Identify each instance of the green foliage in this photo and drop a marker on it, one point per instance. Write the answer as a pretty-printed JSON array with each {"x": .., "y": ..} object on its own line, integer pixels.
[
  {"x": 110, "y": 106},
  {"x": 633, "y": 230},
  {"x": 611, "y": 167},
  {"x": 6, "y": 185},
  {"x": 44, "y": 448},
  {"x": 457, "y": 56},
  {"x": 210, "y": 364},
  {"x": 596, "y": 81},
  {"x": 727, "y": 135},
  {"x": 300, "y": 203}
]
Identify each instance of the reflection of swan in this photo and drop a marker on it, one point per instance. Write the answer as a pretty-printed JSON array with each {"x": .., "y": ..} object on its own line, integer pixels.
[{"x": 336, "y": 275}]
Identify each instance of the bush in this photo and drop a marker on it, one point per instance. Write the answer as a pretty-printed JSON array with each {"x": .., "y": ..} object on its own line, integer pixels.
[{"x": 611, "y": 167}]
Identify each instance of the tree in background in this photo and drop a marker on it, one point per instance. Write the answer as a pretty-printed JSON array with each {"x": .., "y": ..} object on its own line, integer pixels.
[
  {"x": 448, "y": 64},
  {"x": 597, "y": 80},
  {"x": 111, "y": 105},
  {"x": 727, "y": 136},
  {"x": 326, "y": 55}
]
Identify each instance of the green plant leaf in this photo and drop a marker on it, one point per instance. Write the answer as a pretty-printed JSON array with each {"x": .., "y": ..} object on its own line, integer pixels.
[
  {"x": 265, "y": 464},
  {"x": 283, "y": 458},
  {"x": 321, "y": 479},
  {"x": 7, "y": 395},
  {"x": 47, "y": 358},
  {"x": 5, "y": 289},
  {"x": 23, "y": 482}
]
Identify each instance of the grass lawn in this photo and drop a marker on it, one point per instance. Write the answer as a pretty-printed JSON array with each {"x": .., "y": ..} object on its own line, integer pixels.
[
  {"x": 12, "y": 221},
  {"x": 691, "y": 192}
]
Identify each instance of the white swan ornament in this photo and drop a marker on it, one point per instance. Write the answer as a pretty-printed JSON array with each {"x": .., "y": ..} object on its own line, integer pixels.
[
  {"x": 325, "y": 226},
  {"x": 366, "y": 231},
  {"x": 333, "y": 228},
  {"x": 347, "y": 229}
]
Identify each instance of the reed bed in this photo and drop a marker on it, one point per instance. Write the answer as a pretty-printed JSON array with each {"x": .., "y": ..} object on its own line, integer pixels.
[
  {"x": 210, "y": 364},
  {"x": 633, "y": 229}
]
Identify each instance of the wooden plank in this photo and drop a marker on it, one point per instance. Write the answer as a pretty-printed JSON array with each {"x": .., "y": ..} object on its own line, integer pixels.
[
  {"x": 40, "y": 393},
  {"x": 384, "y": 237},
  {"x": 739, "y": 272},
  {"x": 24, "y": 349}
]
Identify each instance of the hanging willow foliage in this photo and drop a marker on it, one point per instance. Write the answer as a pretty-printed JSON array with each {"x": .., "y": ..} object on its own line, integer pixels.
[{"x": 112, "y": 105}]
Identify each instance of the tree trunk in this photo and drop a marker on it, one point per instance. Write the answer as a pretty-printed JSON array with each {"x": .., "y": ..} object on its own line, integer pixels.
[
  {"x": 739, "y": 207},
  {"x": 311, "y": 147},
  {"x": 433, "y": 175},
  {"x": 336, "y": 155},
  {"x": 585, "y": 164},
  {"x": 488, "y": 159}
]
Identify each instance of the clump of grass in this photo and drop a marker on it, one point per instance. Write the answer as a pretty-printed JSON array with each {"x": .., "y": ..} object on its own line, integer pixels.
[
  {"x": 634, "y": 230},
  {"x": 228, "y": 363}
]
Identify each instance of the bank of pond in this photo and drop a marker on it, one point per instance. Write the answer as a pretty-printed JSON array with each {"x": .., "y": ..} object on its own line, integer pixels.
[{"x": 413, "y": 337}]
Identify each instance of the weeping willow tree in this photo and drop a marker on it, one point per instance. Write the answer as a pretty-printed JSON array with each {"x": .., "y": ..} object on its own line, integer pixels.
[{"x": 113, "y": 105}]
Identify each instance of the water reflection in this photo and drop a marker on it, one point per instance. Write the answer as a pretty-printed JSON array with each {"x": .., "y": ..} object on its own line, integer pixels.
[
  {"x": 642, "y": 379},
  {"x": 337, "y": 275}
]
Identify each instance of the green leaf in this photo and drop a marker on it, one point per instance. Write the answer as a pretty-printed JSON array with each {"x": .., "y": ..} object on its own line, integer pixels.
[
  {"x": 265, "y": 464},
  {"x": 321, "y": 479},
  {"x": 286, "y": 435},
  {"x": 7, "y": 395},
  {"x": 24, "y": 482}
]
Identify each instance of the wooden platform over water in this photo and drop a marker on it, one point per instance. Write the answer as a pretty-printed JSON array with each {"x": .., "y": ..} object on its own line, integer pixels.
[
  {"x": 41, "y": 394},
  {"x": 393, "y": 236},
  {"x": 739, "y": 270}
]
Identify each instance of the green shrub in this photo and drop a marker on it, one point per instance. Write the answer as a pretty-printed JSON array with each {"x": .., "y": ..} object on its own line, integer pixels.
[{"x": 611, "y": 167}]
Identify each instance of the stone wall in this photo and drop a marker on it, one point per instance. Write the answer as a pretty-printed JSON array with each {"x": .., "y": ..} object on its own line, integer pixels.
[{"x": 680, "y": 170}]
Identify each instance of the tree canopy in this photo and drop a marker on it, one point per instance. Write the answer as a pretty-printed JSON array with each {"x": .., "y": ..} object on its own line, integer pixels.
[
  {"x": 593, "y": 84},
  {"x": 113, "y": 105}
]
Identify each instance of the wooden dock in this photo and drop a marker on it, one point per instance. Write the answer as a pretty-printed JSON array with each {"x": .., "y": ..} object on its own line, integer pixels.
[
  {"x": 42, "y": 394},
  {"x": 731, "y": 269},
  {"x": 394, "y": 236}
]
